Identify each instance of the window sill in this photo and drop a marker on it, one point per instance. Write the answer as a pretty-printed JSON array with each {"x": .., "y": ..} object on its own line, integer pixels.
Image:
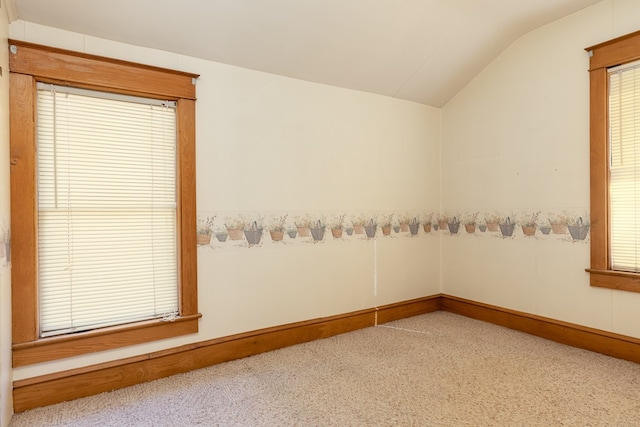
[
  {"x": 53, "y": 348},
  {"x": 621, "y": 280}
]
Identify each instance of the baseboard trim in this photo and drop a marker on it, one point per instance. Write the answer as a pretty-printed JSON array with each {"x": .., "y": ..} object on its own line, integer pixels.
[
  {"x": 75, "y": 383},
  {"x": 72, "y": 384},
  {"x": 402, "y": 310},
  {"x": 596, "y": 340}
]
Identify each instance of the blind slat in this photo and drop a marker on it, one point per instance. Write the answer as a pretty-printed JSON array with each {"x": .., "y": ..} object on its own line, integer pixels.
[
  {"x": 107, "y": 244},
  {"x": 624, "y": 180}
]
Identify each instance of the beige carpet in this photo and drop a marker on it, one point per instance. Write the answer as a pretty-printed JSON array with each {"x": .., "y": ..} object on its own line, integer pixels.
[{"x": 437, "y": 369}]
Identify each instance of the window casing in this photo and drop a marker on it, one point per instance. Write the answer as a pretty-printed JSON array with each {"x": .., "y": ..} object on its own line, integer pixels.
[
  {"x": 30, "y": 64},
  {"x": 603, "y": 57}
]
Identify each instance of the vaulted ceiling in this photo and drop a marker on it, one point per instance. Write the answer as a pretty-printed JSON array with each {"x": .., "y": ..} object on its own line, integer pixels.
[{"x": 420, "y": 50}]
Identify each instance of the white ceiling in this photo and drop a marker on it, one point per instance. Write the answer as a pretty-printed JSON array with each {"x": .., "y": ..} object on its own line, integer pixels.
[{"x": 421, "y": 50}]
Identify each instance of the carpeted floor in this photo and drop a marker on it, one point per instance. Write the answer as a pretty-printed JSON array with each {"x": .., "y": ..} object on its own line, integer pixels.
[{"x": 437, "y": 369}]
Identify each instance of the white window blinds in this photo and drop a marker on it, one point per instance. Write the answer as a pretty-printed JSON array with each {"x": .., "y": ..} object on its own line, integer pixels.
[
  {"x": 624, "y": 137},
  {"x": 107, "y": 247}
]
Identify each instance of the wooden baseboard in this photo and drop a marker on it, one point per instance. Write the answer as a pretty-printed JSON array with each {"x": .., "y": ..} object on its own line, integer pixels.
[
  {"x": 614, "y": 345},
  {"x": 72, "y": 384},
  {"x": 402, "y": 310}
]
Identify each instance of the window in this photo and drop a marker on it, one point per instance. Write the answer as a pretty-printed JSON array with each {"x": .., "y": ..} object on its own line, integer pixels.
[
  {"x": 624, "y": 166},
  {"x": 106, "y": 209},
  {"x": 615, "y": 163},
  {"x": 103, "y": 203}
]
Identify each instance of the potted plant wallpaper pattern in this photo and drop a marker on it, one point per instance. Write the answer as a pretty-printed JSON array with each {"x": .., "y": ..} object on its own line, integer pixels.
[
  {"x": 530, "y": 224},
  {"x": 204, "y": 231},
  {"x": 470, "y": 222},
  {"x": 277, "y": 228},
  {"x": 507, "y": 226},
  {"x": 578, "y": 229},
  {"x": 5, "y": 243},
  {"x": 425, "y": 220},
  {"x": 563, "y": 225},
  {"x": 337, "y": 225},
  {"x": 220, "y": 230}
]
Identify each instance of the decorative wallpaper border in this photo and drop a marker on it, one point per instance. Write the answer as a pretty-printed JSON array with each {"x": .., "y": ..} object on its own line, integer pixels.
[
  {"x": 5, "y": 243},
  {"x": 252, "y": 229}
]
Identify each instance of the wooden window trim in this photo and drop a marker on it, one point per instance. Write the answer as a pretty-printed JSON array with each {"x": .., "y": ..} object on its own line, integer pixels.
[
  {"x": 602, "y": 56},
  {"x": 28, "y": 64}
]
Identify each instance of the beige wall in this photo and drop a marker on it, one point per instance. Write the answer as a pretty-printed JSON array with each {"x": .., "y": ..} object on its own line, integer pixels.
[
  {"x": 516, "y": 141},
  {"x": 269, "y": 146}
]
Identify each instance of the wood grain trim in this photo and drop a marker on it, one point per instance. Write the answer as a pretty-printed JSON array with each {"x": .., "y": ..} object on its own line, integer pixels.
[
  {"x": 44, "y": 62},
  {"x": 614, "y": 345},
  {"x": 186, "y": 126},
  {"x": 401, "y": 310},
  {"x": 615, "y": 280},
  {"x": 28, "y": 65},
  {"x": 24, "y": 307},
  {"x": 61, "y": 386},
  {"x": 75, "y": 383},
  {"x": 72, "y": 384},
  {"x": 54, "y": 348},
  {"x": 615, "y": 52},
  {"x": 599, "y": 176}
]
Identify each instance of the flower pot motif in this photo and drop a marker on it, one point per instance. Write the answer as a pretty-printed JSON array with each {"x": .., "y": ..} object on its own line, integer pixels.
[
  {"x": 413, "y": 228},
  {"x": 454, "y": 226},
  {"x": 336, "y": 232},
  {"x": 482, "y": 227},
  {"x": 559, "y": 228},
  {"x": 396, "y": 228},
  {"x": 507, "y": 227},
  {"x": 358, "y": 228},
  {"x": 303, "y": 230},
  {"x": 436, "y": 226},
  {"x": 493, "y": 226},
  {"x": 253, "y": 234},
  {"x": 235, "y": 233},
  {"x": 349, "y": 231},
  {"x": 222, "y": 236},
  {"x": 386, "y": 230},
  {"x": 317, "y": 232},
  {"x": 370, "y": 229},
  {"x": 470, "y": 228},
  {"x": 529, "y": 230},
  {"x": 578, "y": 231},
  {"x": 276, "y": 235},
  {"x": 292, "y": 233},
  {"x": 203, "y": 238},
  {"x": 443, "y": 225},
  {"x": 426, "y": 228},
  {"x": 404, "y": 227},
  {"x": 545, "y": 229}
]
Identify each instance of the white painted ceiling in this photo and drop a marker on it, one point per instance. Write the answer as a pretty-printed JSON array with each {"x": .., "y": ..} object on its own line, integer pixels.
[{"x": 421, "y": 50}]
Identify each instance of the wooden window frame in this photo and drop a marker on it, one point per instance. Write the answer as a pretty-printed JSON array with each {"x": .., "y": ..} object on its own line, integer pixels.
[
  {"x": 609, "y": 54},
  {"x": 30, "y": 63}
]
